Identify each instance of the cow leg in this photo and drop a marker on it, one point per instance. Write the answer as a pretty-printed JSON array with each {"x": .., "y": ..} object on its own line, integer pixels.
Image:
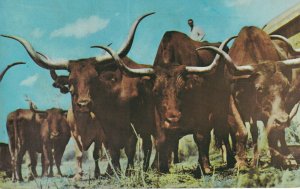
[
  {"x": 33, "y": 163},
  {"x": 59, "y": 149},
  {"x": 47, "y": 155},
  {"x": 276, "y": 158},
  {"x": 241, "y": 135},
  {"x": 175, "y": 150},
  {"x": 162, "y": 150},
  {"x": 130, "y": 149},
  {"x": 254, "y": 133},
  {"x": 202, "y": 141},
  {"x": 222, "y": 131},
  {"x": 96, "y": 158},
  {"x": 19, "y": 160},
  {"x": 79, "y": 156},
  {"x": 13, "y": 162},
  {"x": 115, "y": 161},
  {"x": 58, "y": 153},
  {"x": 147, "y": 149},
  {"x": 51, "y": 163},
  {"x": 229, "y": 153}
]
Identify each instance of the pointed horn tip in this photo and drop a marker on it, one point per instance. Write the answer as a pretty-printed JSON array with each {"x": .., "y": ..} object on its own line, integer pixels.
[
  {"x": 148, "y": 14},
  {"x": 100, "y": 46},
  {"x": 3, "y": 35},
  {"x": 20, "y": 62}
]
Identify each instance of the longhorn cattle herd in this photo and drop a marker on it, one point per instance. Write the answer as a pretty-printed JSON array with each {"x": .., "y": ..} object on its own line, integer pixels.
[{"x": 192, "y": 88}]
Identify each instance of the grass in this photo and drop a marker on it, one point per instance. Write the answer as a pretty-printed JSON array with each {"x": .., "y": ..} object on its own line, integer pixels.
[{"x": 180, "y": 175}]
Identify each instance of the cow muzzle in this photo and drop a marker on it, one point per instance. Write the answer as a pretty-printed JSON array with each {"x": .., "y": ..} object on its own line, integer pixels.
[
  {"x": 172, "y": 120},
  {"x": 54, "y": 135},
  {"x": 282, "y": 120},
  {"x": 84, "y": 105}
]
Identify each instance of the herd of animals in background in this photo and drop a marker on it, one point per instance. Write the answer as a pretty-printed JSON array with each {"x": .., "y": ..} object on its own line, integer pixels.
[{"x": 192, "y": 88}]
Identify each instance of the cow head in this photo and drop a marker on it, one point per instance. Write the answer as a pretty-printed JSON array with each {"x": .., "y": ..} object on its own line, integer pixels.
[
  {"x": 266, "y": 85},
  {"x": 170, "y": 82},
  {"x": 55, "y": 121},
  {"x": 87, "y": 76}
]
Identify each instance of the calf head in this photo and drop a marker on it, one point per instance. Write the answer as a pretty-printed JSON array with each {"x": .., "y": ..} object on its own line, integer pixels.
[{"x": 55, "y": 121}]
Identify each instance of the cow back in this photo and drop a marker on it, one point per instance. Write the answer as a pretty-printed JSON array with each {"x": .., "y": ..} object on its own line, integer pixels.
[{"x": 253, "y": 46}]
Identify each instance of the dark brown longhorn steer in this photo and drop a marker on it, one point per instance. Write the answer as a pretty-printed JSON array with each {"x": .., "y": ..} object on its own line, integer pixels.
[
  {"x": 183, "y": 99},
  {"x": 99, "y": 88},
  {"x": 260, "y": 88}
]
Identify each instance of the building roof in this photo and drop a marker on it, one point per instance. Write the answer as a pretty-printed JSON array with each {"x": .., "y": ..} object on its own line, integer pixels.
[{"x": 283, "y": 20}]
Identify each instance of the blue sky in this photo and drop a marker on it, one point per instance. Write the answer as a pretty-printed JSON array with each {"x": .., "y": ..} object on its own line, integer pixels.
[{"x": 66, "y": 29}]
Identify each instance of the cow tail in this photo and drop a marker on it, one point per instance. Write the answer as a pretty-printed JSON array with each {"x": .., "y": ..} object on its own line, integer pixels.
[{"x": 15, "y": 127}]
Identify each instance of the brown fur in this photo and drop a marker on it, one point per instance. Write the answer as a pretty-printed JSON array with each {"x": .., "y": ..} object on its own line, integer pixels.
[
  {"x": 5, "y": 159},
  {"x": 186, "y": 102},
  {"x": 28, "y": 131},
  {"x": 117, "y": 100},
  {"x": 262, "y": 95}
]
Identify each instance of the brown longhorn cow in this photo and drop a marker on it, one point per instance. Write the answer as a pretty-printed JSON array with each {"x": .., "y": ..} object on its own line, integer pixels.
[
  {"x": 99, "y": 89},
  {"x": 260, "y": 86},
  {"x": 190, "y": 97},
  {"x": 36, "y": 131}
]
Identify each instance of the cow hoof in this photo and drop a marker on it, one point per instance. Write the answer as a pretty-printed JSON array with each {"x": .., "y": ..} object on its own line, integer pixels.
[
  {"x": 129, "y": 172},
  {"x": 77, "y": 177},
  {"x": 241, "y": 166},
  {"x": 97, "y": 174},
  {"x": 30, "y": 178},
  {"x": 197, "y": 173},
  {"x": 208, "y": 171}
]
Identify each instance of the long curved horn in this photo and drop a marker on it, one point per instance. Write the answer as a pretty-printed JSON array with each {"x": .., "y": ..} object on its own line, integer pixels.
[
  {"x": 37, "y": 58},
  {"x": 292, "y": 63},
  {"x": 294, "y": 111},
  {"x": 7, "y": 68},
  {"x": 139, "y": 71},
  {"x": 235, "y": 70},
  {"x": 125, "y": 48},
  {"x": 282, "y": 38},
  {"x": 213, "y": 65}
]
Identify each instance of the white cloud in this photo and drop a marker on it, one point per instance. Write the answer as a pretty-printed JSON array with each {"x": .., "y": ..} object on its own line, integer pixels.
[
  {"x": 81, "y": 27},
  {"x": 29, "y": 81},
  {"x": 37, "y": 33},
  {"x": 233, "y": 3}
]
